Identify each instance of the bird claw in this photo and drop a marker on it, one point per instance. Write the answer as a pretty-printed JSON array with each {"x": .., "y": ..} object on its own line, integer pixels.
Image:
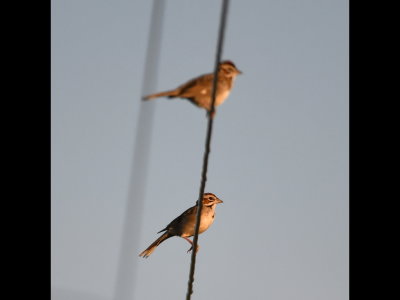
[
  {"x": 191, "y": 248},
  {"x": 211, "y": 114}
]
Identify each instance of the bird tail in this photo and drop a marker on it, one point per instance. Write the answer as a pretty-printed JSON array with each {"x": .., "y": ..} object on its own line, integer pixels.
[
  {"x": 146, "y": 253},
  {"x": 170, "y": 94}
]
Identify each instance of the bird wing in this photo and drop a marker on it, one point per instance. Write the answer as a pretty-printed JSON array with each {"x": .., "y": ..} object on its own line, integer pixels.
[
  {"x": 192, "y": 87},
  {"x": 175, "y": 222}
]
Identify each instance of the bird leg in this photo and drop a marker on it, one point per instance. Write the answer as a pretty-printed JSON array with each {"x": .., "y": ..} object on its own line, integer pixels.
[
  {"x": 191, "y": 243},
  {"x": 212, "y": 114}
]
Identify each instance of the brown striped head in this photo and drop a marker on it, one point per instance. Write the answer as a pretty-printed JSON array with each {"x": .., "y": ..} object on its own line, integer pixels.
[
  {"x": 229, "y": 68},
  {"x": 209, "y": 199}
]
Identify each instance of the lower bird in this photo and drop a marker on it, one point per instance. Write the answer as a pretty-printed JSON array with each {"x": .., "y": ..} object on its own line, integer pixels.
[
  {"x": 184, "y": 225},
  {"x": 199, "y": 90}
]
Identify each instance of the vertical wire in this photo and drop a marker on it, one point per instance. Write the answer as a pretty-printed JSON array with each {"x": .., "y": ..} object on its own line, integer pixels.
[
  {"x": 126, "y": 275},
  {"x": 224, "y": 12}
]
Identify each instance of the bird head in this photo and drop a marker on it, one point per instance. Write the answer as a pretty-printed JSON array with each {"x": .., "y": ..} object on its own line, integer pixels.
[
  {"x": 209, "y": 199},
  {"x": 229, "y": 68}
]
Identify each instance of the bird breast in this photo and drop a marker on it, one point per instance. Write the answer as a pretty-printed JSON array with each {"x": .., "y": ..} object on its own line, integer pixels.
[
  {"x": 207, "y": 218},
  {"x": 221, "y": 97}
]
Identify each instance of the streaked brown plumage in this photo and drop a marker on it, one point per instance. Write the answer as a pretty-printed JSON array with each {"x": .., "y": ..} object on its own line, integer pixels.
[
  {"x": 184, "y": 225},
  {"x": 198, "y": 90}
]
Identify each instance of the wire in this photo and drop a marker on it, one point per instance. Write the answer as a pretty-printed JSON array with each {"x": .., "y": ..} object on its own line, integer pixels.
[{"x": 224, "y": 12}]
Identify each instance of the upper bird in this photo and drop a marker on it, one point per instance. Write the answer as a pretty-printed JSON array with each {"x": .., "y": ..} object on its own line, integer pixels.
[
  {"x": 184, "y": 225},
  {"x": 198, "y": 90}
]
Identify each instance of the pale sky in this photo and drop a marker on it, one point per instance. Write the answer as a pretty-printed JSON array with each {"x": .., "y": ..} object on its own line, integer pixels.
[{"x": 279, "y": 157}]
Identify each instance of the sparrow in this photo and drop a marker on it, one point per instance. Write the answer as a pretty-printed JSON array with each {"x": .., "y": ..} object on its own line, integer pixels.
[
  {"x": 199, "y": 90},
  {"x": 184, "y": 225}
]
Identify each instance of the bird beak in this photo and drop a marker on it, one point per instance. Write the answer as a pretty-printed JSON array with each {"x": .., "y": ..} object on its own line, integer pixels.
[
  {"x": 220, "y": 201},
  {"x": 239, "y": 72}
]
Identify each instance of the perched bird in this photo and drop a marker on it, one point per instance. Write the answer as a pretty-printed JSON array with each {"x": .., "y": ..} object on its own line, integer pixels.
[
  {"x": 184, "y": 225},
  {"x": 199, "y": 90}
]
